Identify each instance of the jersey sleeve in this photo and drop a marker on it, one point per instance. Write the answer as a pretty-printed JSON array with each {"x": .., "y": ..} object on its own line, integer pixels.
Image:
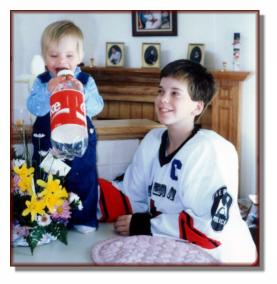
[
  {"x": 210, "y": 217},
  {"x": 38, "y": 102},
  {"x": 94, "y": 102},
  {"x": 130, "y": 195},
  {"x": 136, "y": 178}
]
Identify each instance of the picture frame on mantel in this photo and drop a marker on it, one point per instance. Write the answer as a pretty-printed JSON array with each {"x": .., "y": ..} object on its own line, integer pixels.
[
  {"x": 196, "y": 52},
  {"x": 115, "y": 54},
  {"x": 151, "y": 54},
  {"x": 154, "y": 23}
]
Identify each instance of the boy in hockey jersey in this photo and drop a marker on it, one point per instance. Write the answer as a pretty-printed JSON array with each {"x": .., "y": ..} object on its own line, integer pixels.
[
  {"x": 183, "y": 180},
  {"x": 62, "y": 48}
]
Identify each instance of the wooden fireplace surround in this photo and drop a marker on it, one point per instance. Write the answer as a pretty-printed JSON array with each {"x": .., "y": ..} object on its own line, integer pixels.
[{"x": 129, "y": 94}]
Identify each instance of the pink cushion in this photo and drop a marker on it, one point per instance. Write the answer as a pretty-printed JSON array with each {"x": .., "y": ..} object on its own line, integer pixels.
[{"x": 148, "y": 250}]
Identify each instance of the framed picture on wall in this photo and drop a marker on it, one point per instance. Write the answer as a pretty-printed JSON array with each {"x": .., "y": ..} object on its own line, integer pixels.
[
  {"x": 151, "y": 53},
  {"x": 115, "y": 54},
  {"x": 196, "y": 52},
  {"x": 154, "y": 23}
]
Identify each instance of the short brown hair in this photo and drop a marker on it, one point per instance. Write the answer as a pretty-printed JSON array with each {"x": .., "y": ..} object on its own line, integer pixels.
[
  {"x": 201, "y": 84},
  {"x": 57, "y": 30}
]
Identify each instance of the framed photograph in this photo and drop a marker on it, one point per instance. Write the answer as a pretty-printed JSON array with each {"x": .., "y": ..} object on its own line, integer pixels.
[
  {"x": 196, "y": 52},
  {"x": 154, "y": 23},
  {"x": 151, "y": 53},
  {"x": 115, "y": 54}
]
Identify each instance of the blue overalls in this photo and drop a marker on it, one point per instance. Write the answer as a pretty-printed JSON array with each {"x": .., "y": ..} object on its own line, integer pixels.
[{"x": 82, "y": 178}]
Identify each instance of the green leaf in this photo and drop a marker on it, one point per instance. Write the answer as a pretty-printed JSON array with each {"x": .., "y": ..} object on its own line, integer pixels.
[
  {"x": 35, "y": 235},
  {"x": 59, "y": 231},
  {"x": 27, "y": 156}
]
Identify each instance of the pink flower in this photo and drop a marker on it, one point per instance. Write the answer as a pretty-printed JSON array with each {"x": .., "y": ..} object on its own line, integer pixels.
[
  {"x": 62, "y": 211},
  {"x": 14, "y": 182},
  {"x": 20, "y": 231},
  {"x": 44, "y": 220}
]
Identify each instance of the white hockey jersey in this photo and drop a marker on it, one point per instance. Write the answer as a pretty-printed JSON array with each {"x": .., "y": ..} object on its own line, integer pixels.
[{"x": 191, "y": 194}]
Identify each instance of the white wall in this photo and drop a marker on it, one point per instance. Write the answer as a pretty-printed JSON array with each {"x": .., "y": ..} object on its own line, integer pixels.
[{"x": 215, "y": 30}]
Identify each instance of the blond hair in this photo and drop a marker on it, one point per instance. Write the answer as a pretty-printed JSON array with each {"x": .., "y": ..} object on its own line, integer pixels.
[{"x": 57, "y": 30}]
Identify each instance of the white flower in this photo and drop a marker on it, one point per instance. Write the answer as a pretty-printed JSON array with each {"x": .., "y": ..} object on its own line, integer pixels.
[
  {"x": 44, "y": 220},
  {"x": 43, "y": 153},
  {"x": 54, "y": 166},
  {"x": 18, "y": 162},
  {"x": 73, "y": 197},
  {"x": 47, "y": 238},
  {"x": 80, "y": 205},
  {"x": 39, "y": 135}
]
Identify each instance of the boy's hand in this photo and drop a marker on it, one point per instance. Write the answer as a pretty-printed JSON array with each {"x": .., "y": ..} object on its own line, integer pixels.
[{"x": 122, "y": 225}]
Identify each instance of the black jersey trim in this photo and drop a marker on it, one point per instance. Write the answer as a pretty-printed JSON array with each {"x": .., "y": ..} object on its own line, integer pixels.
[
  {"x": 125, "y": 204},
  {"x": 162, "y": 151},
  {"x": 104, "y": 206},
  {"x": 140, "y": 224}
]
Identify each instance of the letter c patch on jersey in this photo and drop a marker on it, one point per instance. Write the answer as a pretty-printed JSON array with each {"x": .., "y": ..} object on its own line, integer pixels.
[
  {"x": 176, "y": 164},
  {"x": 220, "y": 208}
]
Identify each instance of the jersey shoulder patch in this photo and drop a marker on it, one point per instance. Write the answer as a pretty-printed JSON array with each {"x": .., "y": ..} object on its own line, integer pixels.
[{"x": 222, "y": 202}]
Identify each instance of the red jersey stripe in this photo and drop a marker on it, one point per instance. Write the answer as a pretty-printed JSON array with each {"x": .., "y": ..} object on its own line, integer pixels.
[{"x": 190, "y": 233}]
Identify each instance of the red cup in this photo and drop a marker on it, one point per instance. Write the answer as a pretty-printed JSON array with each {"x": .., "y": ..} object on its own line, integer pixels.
[{"x": 67, "y": 107}]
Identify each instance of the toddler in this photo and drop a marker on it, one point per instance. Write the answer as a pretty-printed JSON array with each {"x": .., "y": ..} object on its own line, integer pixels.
[{"x": 62, "y": 48}]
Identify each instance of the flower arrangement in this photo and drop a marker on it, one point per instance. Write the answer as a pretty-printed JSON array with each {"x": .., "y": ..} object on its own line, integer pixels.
[{"x": 42, "y": 206}]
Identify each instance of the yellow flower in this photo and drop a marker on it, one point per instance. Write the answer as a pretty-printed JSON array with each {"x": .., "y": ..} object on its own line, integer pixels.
[
  {"x": 52, "y": 202},
  {"x": 53, "y": 193},
  {"x": 23, "y": 171},
  {"x": 25, "y": 178},
  {"x": 34, "y": 206},
  {"x": 25, "y": 184}
]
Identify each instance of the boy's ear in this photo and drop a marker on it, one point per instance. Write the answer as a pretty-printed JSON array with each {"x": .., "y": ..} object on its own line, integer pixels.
[{"x": 199, "y": 108}]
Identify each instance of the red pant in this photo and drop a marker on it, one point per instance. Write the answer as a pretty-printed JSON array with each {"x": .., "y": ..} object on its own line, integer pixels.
[{"x": 113, "y": 203}]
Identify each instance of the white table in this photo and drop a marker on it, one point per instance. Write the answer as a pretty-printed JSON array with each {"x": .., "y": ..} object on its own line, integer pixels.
[{"x": 77, "y": 252}]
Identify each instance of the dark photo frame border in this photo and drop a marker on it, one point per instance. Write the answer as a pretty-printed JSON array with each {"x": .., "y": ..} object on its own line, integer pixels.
[
  {"x": 200, "y": 47},
  {"x": 148, "y": 62},
  {"x": 172, "y": 31}
]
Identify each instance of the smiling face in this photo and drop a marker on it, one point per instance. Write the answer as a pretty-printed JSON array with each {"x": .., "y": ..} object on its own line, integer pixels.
[
  {"x": 174, "y": 105},
  {"x": 62, "y": 54}
]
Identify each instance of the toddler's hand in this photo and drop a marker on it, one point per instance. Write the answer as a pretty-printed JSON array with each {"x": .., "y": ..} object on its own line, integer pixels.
[
  {"x": 54, "y": 82},
  {"x": 76, "y": 83},
  {"x": 122, "y": 225}
]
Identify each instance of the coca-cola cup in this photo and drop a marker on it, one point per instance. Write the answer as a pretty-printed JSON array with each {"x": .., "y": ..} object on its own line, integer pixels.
[{"x": 68, "y": 117}]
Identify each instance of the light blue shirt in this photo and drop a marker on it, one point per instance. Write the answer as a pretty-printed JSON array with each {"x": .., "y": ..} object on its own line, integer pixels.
[{"x": 38, "y": 102}]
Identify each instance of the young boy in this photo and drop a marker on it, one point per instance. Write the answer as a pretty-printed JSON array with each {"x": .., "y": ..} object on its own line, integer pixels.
[
  {"x": 62, "y": 48},
  {"x": 183, "y": 180}
]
